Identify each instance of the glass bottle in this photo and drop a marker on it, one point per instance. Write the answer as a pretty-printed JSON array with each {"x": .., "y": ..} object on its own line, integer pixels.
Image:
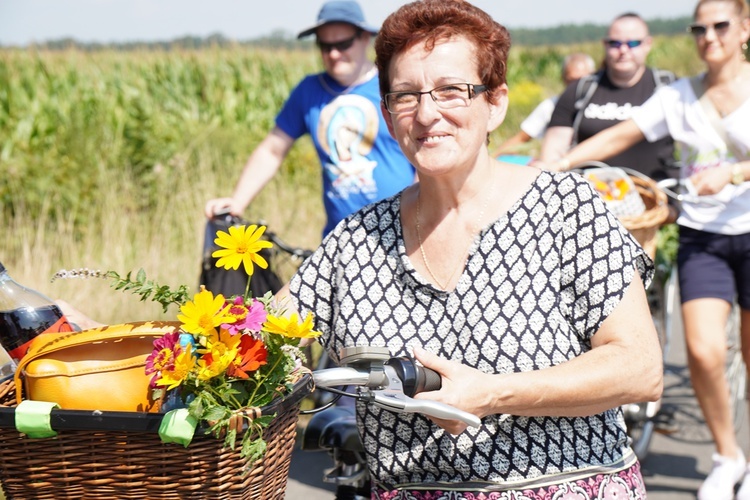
[{"x": 24, "y": 314}]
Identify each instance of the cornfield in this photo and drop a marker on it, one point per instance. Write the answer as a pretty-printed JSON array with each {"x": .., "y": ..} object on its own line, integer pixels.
[{"x": 107, "y": 158}]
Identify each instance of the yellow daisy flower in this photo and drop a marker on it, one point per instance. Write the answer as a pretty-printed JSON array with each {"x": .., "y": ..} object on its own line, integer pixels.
[
  {"x": 204, "y": 313},
  {"x": 291, "y": 327},
  {"x": 222, "y": 348},
  {"x": 241, "y": 246},
  {"x": 183, "y": 365}
]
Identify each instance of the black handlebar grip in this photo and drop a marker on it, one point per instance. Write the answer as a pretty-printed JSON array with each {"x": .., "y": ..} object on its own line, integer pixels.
[
  {"x": 432, "y": 380},
  {"x": 415, "y": 378}
]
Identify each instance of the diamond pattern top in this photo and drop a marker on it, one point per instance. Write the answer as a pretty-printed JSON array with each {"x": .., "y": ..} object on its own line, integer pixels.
[{"x": 538, "y": 283}]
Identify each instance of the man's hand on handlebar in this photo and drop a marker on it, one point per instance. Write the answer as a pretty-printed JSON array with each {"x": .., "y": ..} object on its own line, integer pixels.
[{"x": 219, "y": 206}]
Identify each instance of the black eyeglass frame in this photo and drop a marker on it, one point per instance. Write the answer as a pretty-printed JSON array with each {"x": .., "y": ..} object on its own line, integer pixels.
[
  {"x": 720, "y": 28},
  {"x": 616, "y": 44},
  {"x": 472, "y": 90},
  {"x": 341, "y": 46}
]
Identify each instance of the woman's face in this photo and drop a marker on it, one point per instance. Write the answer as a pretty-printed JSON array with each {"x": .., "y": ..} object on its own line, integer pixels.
[
  {"x": 720, "y": 44},
  {"x": 437, "y": 140}
]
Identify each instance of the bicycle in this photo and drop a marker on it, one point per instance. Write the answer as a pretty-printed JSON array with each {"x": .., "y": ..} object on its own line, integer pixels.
[{"x": 381, "y": 380}]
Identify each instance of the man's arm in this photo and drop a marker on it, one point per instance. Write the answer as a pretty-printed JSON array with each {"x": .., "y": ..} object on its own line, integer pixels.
[
  {"x": 511, "y": 144},
  {"x": 556, "y": 143},
  {"x": 260, "y": 168}
]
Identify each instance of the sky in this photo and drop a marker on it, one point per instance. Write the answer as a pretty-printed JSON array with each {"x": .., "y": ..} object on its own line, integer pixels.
[{"x": 26, "y": 21}]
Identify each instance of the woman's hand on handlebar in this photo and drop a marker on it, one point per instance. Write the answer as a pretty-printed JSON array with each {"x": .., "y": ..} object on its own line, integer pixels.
[
  {"x": 461, "y": 388},
  {"x": 712, "y": 181},
  {"x": 222, "y": 205}
]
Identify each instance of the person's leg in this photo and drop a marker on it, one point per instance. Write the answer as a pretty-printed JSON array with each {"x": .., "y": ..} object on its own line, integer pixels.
[
  {"x": 704, "y": 321},
  {"x": 707, "y": 288}
]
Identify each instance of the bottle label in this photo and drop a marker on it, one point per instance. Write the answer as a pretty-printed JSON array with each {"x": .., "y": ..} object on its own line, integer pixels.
[{"x": 59, "y": 326}]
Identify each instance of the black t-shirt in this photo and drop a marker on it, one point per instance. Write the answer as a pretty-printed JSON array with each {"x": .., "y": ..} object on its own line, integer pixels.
[{"x": 608, "y": 106}]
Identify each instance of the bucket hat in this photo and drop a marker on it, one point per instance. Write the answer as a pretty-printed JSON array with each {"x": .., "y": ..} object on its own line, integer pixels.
[{"x": 340, "y": 11}]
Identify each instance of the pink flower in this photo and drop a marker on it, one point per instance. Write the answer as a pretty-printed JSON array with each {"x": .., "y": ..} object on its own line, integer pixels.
[
  {"x": 162, "y": 358},
  {"x": 251, "y": 318}
]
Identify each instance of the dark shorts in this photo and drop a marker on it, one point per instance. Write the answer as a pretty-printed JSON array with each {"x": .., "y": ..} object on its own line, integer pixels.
[{"x": 714, "y": 265}]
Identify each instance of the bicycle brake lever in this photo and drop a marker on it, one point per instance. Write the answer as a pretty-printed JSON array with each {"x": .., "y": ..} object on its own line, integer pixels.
[
  {"x": 401, "y": 403},
  {"x": 393, "y": 398}
]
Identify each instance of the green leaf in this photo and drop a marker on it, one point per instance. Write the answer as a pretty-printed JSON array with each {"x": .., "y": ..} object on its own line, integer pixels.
[
  {"x": 253, "y": 448},
  {"x": 215, "y": 413},
  {"x": 231, "y": 439},
  {"x": 148, "y": 289}
]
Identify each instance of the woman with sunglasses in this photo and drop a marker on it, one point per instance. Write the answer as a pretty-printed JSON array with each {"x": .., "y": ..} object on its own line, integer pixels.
[
  {"x": 339, "y": 109},
  {"x": 517, "y": 286},
  {"x": 714, "y": 251}
]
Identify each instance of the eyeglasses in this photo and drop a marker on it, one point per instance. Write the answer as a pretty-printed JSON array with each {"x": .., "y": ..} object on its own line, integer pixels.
[
  {"x": 616, "y": 44},
  {"x": 339, "y": 46},
  {"x": 455, "y": 95},
  {"x": 719, "y": 28}
]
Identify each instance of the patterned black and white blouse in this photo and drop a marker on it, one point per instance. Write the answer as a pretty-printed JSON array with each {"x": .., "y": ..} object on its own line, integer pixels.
[{"x": 538, "y": 284}]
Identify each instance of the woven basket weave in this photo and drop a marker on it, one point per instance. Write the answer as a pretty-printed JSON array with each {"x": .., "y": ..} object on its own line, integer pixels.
[
  {"x": 121, "y": 464},
  {"x": 644, "y": 227}
]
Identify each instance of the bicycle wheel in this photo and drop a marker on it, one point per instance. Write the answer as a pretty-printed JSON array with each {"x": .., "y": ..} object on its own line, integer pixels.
[
  {"x": 735, "y": 369},
  {"x": 640, "y": 426},
  {"x": 663, "y": 300}
]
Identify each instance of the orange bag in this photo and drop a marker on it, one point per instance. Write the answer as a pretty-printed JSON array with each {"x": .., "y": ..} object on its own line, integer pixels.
[{"x": 97, "y": 369}]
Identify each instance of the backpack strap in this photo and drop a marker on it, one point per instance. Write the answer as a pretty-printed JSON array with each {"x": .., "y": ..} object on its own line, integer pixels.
[
  {"x": 585, "y": 89},
  {"x": 662, "y": 77}
]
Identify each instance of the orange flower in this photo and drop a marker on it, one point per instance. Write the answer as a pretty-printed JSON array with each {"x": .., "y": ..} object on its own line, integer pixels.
[{"x": 252, "y": 355}]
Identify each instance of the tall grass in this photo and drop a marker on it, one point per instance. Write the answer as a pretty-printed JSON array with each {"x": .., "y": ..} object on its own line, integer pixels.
[{"x": 108, "y": 158}]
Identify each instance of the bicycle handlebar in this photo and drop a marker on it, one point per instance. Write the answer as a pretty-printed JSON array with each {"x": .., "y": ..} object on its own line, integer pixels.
[
  {"x": 666, "y": 185},
  {"x": 390, "y": 383},
  {"x": 669, "y": 185}
]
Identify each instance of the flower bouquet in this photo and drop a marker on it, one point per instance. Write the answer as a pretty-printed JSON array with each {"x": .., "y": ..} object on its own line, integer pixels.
[{"x": 230, "y": 355}]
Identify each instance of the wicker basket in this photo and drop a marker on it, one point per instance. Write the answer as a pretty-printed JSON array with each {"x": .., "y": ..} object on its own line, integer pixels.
[
  {"x": 119, "y": 455},
  {"x": 645, "y": 226}
]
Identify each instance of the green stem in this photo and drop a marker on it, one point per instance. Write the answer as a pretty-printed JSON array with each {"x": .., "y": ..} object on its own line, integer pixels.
[
  {"x": 220, "y": 397},
  {"x": 247, "y": 287},
  {"x": 260, "y": 384}
]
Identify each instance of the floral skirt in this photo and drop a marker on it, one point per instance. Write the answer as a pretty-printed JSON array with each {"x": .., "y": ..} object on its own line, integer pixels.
[{"x": 626, "y": 484}]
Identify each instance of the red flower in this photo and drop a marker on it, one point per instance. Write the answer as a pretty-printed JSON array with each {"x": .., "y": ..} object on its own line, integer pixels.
[{"x": 251, "y": 356}]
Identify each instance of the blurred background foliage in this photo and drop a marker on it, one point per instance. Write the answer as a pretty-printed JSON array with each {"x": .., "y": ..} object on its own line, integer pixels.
[{"x": 108, "y": 156}]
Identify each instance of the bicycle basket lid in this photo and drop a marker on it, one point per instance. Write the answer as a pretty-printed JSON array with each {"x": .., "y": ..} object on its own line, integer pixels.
[{"x": 617, "y": 190}]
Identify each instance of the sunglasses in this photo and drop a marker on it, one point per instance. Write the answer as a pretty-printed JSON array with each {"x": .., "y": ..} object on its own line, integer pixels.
[
  {"x": 339, "y": 46},
  {"x": 616, "y": 44},
  {"x": 719, "y": 28}
]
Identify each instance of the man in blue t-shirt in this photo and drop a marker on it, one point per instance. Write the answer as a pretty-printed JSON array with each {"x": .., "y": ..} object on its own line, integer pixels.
[{"x": 340, "y": 109}]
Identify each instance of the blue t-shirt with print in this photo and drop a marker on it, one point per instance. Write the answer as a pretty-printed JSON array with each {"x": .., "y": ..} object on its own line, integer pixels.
[{"x": 361, "y": 162}]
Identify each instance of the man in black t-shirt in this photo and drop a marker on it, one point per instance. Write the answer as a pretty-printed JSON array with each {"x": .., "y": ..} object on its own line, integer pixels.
[{"x": 624, "y": 84}]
